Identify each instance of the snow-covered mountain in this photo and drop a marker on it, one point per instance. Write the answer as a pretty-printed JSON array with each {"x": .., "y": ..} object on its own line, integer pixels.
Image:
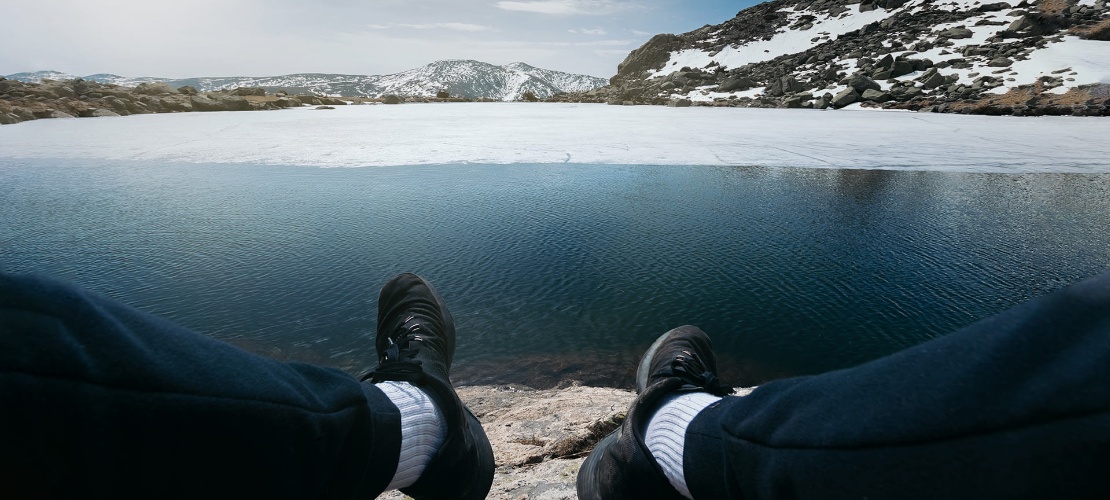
[
  {"x": 895, "y": 53},
  {"x": 463, "y": 78}
]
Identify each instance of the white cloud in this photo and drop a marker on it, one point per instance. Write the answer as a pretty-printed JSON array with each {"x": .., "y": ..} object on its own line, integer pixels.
[
  {"x": 431, "y": 26},
  {"x": 641, "y": 33},
  {"x": 587, "y": 31},
  {"x": 567, "y": 7}
]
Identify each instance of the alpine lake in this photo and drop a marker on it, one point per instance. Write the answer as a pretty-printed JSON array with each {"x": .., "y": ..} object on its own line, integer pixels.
[{"x": 557, "y": 273}]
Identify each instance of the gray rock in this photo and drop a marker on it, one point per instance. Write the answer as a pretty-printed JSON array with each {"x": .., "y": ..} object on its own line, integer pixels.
[
  {"x": 391, "y": 99},
  {"x": 845, "y": 97},
  {"x": 324, "y": 107},
  {"x": 59, "y": 114},
  {"x": 256, "y": 91},
  {"x": 235, "y": 103},
  {"x": 102, "y": 112},
  {"x": 875, "y": 95},
  {"x": 679, "y": 103},
  {"x": 154, "y": 88},
  {"x": 820, "y": 103},
  {"x": 202, "y": 103},
  {"x": 901, "y": 68},
  {"x": 736, "y": 83},
  {"x": 957, "y": 32},
  {"x": 9, "y": 119},
  {"x": 931, "y": 79},
  {"x": 861, "y": 82},
  {"x": 1000, "y": 62},
  {"x": 287, "y": 102},
  {"x": 187, "y": 90}
]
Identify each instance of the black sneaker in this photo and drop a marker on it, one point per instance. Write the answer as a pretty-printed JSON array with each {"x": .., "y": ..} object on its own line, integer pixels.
[
  {"x": 415, "y": 344},
  {"x": 620, "y": 466}
]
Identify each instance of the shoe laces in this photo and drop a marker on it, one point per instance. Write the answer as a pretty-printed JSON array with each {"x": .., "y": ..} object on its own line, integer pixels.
[
  {"x": 686, "y": 367},
  {"x": 398, "y": 360}
]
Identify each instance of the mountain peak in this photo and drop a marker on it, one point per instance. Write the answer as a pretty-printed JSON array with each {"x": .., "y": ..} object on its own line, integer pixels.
[{"x": 459, "y": 77}]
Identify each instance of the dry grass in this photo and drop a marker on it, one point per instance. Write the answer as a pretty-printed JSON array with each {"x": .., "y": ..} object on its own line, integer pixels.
[
  {"x": 1097, "y": 31},
  {"x": 1055, "y": 7}
]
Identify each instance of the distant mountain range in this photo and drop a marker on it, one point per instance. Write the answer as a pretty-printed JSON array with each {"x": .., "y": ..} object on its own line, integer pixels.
[{"x": 462, "y": 78}]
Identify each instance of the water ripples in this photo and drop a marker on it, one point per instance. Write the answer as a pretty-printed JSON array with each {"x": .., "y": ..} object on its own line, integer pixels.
[{"x": 561, "y": 272}]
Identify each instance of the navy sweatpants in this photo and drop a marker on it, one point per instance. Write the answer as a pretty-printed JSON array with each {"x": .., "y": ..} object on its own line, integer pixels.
[
  {"x": 100, "y": 400},
  {"x": 1017, "y": 405}
]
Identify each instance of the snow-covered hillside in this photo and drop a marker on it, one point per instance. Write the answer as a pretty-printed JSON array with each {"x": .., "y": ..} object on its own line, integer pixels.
[
  {"x": 917, "y": 53},
  {"x": 463, "y": 78}
]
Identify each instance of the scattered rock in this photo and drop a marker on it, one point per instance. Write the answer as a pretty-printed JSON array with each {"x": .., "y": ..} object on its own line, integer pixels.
[
  {"x": 391, "y": 99},
  {"x": 679, "y": 103},
  {"x": 324, "y": 107},
  {"x": 845, "y": 97}
]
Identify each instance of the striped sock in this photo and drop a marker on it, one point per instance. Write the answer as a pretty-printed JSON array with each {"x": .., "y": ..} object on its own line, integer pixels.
[
  {"x": 666, "y": 433},
  {"x": 422, "y": 431}
]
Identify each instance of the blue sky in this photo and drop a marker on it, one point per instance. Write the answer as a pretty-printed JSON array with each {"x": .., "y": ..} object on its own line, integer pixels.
[{"x": 271, "y": 37}]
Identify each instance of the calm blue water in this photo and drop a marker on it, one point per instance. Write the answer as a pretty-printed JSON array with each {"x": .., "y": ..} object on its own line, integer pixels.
[{"x": 560, "y": 272}]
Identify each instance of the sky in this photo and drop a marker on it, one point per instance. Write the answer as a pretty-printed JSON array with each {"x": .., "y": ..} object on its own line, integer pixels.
[{"x": 179, "y": 39}]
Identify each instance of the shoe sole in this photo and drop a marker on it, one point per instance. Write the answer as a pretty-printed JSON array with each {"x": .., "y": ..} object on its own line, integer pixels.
[
  {"x": 643, "y": 369},
  {"x": 588, "y": 474}
]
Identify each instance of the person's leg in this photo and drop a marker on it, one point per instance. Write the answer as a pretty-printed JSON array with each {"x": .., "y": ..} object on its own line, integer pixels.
[
  {"x": 1017, "y": 405},
  {"x": 96, "y": 397}
]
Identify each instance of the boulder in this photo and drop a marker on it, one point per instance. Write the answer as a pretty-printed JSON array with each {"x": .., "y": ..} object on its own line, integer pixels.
[
  {"x": 255, "y": 91},
  {"x": 324, "y": 107},
  {"x": 861, "y": 82},
  {"x": 203, "y": 103},
  {"x": 845, "y": 97},
  {"x": 154, "y": 88},
  {"x": 875, "y": 95},
  {"x": 187, "y": 90},
  {"x": 931, "y": 79},
  {"x": 901, "y": 68},
  {"x": 235, "y": 103},
  {"x": 178, "y": 104},
  {"x": 9, "y": 119},
  {"x": 736, "y": 83},
  {"x": 1000, "y": 62},
  {"x": 679, "y": 103},
  {"x": 100, "y": 112},
  {"x": 957, "y": 32},
  {"x": 287, "y": 102},
  {"x": 391, "y": 99},
  {"x": 59, "y": 114}
]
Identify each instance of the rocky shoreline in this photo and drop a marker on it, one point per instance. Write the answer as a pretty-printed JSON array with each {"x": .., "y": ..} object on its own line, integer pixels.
[{"x": 21, "y": 101}]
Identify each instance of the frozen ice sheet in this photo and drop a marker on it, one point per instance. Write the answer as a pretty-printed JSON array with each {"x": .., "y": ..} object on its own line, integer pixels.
[{"x": 368, "y": 136}]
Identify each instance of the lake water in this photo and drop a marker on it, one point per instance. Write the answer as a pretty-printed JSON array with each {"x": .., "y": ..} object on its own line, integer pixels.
[{"x": 560, "y": 272}]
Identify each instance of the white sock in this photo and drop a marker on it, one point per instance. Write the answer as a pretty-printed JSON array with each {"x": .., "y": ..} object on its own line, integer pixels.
[
  {"x": 422, "y": 431},
  {"x": 666, "y": 433}
]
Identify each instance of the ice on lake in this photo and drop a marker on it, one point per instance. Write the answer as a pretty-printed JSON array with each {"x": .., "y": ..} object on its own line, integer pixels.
[{"x": 498, "y": 133}]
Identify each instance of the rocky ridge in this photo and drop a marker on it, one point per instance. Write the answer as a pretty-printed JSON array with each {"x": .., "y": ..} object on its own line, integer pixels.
[
  {"x": 1016, "y": 57},
  {"x": 21, "y": 101},
  {"x": 467, "y": 79}
]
